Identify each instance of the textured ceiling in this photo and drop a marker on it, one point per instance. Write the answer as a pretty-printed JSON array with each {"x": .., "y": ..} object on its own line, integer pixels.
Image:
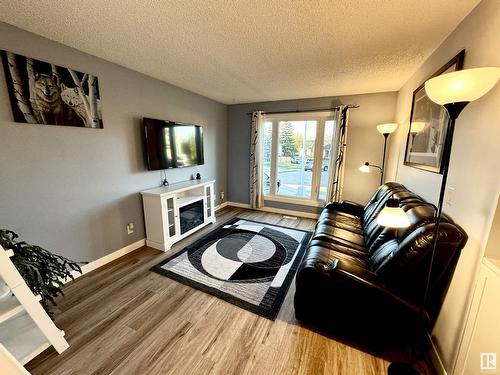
[{"x": 246, "y": 51}]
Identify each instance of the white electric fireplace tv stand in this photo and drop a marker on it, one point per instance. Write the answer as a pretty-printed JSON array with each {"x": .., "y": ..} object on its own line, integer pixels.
[{"x": 174, "y": 212}]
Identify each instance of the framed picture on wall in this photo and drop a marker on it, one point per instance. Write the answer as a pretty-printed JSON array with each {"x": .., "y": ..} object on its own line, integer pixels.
[
  {"x": 47, "y": 94},
  {"x": 428, "y": 125}
]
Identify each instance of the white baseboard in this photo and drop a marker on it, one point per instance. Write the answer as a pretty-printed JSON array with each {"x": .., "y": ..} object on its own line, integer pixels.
[
  {"x": 239, "y": 205},
  {"x": 114, "y": 255},
  {"x": 308, "y": 215},
  {"x": 435, "y": 358},
  {"x": 221, "y": 206},
  {"x": 108, "y": 258},
  {"x": 281, "y": 211}
]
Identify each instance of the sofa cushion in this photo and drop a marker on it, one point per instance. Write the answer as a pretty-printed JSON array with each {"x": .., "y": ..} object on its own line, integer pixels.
[
  {"x": 375, "y": 234},
  {"x": 341, "y": 220},
  {"x": 419, "y": 214},
  {"x": 339, "y": 248},
  {"x": 377, "y": 203},
  {"x": 323, "y": 257},
  {"x": 405, "y": 269},
  {"x": 344, "y": 237}
]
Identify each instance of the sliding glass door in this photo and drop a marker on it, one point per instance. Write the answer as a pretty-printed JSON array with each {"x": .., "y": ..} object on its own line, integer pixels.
[
  {"x": 296, "y": 140},
  {"x": 297, "y": 150}
]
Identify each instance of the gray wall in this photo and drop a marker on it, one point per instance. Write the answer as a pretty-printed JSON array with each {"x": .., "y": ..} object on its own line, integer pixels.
[
  {"x": 364, "y": 142},
  {"x": 73, "y": 190}
]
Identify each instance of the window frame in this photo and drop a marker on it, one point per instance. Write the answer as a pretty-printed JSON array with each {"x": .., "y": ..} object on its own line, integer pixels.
[{"x": 320, "y": 118}]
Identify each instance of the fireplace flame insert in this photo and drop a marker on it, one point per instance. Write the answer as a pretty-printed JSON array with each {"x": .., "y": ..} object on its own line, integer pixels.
[{"x": 191, "y": 216}]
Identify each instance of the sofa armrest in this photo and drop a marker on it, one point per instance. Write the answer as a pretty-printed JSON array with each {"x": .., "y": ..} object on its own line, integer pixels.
[
  {"x": 339, "y": 289},
  {"x": 348, "y": 207},
  {"x": 369, "y": 281}
]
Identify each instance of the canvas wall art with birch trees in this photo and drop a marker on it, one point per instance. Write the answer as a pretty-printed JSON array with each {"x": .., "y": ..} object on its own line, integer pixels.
[{"x": 44, "y": 93}]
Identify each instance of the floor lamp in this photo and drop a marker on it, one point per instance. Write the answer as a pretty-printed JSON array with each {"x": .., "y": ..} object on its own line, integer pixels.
[
  {"x": 385, "y": 130},
  {"x": 453, "y": 91}
]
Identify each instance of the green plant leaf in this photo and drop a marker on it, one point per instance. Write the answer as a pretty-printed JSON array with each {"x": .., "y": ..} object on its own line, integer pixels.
[{"x": 42, "y": 271}]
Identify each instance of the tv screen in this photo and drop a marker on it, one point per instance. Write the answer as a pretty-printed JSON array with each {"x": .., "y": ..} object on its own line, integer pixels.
[{"x": 172, "y": 144}]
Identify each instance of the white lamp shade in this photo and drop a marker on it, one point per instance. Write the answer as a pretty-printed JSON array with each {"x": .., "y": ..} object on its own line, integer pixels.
[
  {"x": 387, "y": 128},
  {"x": 417, "y": 126},
  {"x": 461, "y": 86},
  {"x": 393, "y": 216},
  {"x": 364, "y": 168}
]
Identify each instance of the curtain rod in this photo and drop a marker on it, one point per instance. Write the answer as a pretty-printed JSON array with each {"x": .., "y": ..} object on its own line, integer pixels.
[{"x": 309, "y": 110}]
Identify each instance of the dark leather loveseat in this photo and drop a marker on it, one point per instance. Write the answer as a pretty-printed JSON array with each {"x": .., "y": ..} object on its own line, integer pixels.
[{"x": 359, "y": 276}]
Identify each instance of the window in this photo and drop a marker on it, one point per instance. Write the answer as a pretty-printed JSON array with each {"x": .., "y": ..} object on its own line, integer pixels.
[{"x": 297, "y": 152}]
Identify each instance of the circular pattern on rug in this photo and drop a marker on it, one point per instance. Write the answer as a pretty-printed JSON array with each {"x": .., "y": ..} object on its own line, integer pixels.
[
  {"x": 241, "y": 256},
  {"x": 252, "y": 247}
]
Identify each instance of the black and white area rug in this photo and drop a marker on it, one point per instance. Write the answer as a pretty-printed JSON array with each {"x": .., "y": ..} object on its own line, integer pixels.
[{"x": 247, "y": 263}]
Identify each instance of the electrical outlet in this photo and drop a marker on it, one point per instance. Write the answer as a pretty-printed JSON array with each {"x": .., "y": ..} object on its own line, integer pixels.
[
  {"x": 450, "y": 196},
  {"x": 130, "y": 228},
  {"x": 221, "y": 195}
]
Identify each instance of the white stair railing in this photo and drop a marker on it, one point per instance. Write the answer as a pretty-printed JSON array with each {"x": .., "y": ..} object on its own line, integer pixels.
[{"x": 25, "y": 328}]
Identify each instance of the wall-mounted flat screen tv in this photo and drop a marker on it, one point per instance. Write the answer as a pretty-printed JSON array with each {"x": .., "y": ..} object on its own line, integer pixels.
[{"x": 172, "y": 144}]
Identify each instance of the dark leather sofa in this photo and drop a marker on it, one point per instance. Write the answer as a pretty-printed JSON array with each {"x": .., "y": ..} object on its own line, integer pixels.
[{"x": 359, "y": 276}]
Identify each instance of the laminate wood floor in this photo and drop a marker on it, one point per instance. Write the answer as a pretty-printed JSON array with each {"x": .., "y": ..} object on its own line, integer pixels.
[{"x": 124, "y": 319}]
